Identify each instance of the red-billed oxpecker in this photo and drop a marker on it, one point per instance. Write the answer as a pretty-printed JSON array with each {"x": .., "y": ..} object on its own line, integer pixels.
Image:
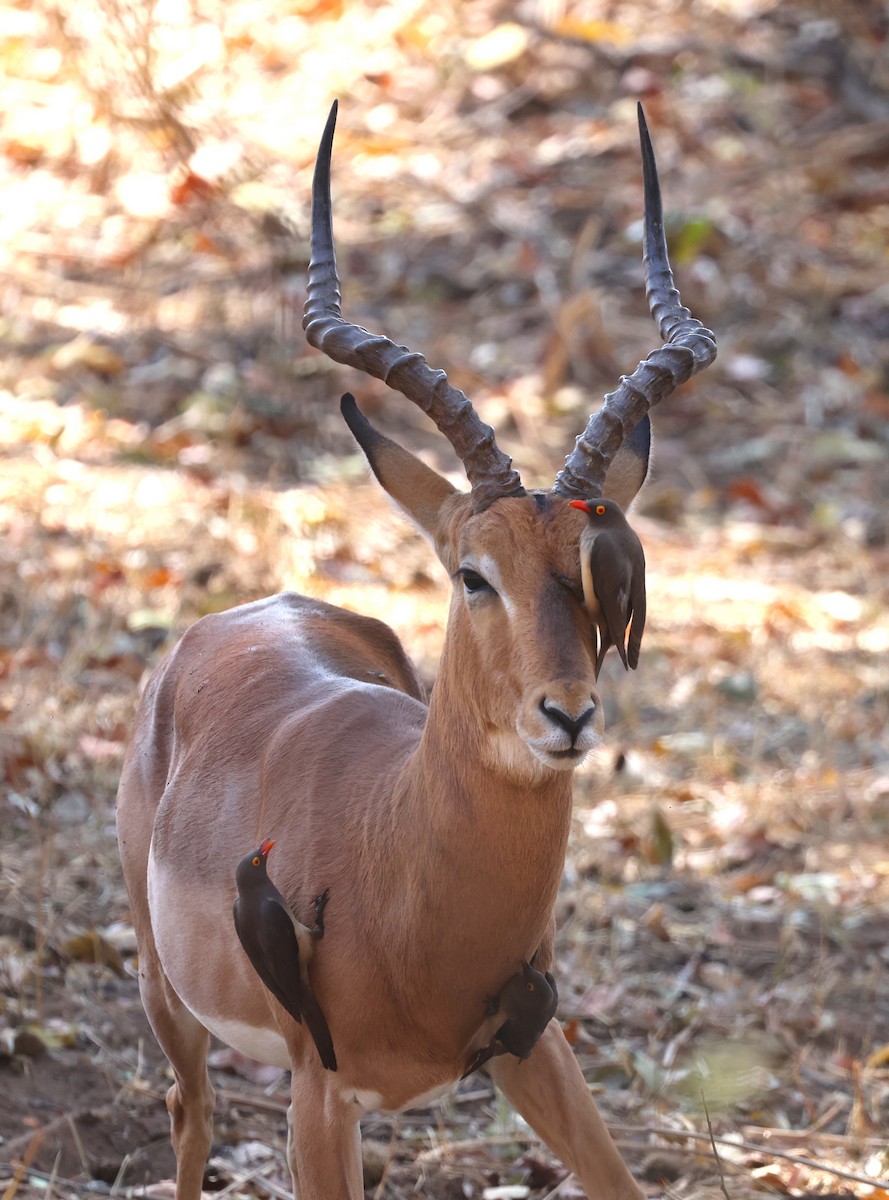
[
  {"x": 279, "y": 946},
  {"x": 612, "y": 568},
  {"x": 527, "y": 1002}
]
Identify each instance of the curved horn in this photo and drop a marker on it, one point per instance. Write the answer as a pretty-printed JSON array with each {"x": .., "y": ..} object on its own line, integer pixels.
[
  {"x": 689, "y": 348},
  {"x": 488, "y": 469}
]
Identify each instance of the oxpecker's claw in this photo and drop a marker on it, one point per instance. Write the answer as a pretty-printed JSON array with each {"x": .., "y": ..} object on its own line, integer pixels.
[{"x": 320, "y": 905}]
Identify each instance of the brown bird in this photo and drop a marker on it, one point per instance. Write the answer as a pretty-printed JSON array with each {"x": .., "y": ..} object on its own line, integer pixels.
[
  {"x": 528, "y": 1001},
  {"x": 612, "y": 567},
  {"x": 279, "y": 946}
]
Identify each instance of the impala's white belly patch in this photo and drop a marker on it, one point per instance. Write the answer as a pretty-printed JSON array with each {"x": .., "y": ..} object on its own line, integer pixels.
[
  {"x": 364, "y": 1098},
  {"x": 370, "y": 1101},
  {"x": 427, "y": 1098},
  {"x": 262, "y": 1044}
]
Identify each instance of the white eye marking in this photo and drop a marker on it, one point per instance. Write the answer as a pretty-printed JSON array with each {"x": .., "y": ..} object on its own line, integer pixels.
[{"x": 489, "y": 568}]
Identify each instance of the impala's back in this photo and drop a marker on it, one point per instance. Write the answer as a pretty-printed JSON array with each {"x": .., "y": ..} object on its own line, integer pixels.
[{"x": 432, "y": 838}]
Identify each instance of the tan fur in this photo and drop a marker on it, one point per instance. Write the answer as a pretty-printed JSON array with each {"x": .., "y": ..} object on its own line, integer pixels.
[{"x": 439, "y": 831}]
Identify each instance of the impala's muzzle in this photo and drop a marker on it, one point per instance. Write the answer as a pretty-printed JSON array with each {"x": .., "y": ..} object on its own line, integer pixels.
[{"x": 562, "y": 722}]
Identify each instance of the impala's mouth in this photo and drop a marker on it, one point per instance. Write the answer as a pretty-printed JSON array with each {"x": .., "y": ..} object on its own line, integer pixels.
[{"x": 560, "y": 760}]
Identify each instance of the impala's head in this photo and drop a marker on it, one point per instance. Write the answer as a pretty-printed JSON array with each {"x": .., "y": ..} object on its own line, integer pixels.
[
  {"x": 519, "y": 640},
  {"x": 521, "y": 629}
]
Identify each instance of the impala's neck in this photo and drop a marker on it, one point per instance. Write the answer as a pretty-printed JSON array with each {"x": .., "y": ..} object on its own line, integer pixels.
[
  {"x": 496, "y": 823},
  {"x": 485, "y": 760}
]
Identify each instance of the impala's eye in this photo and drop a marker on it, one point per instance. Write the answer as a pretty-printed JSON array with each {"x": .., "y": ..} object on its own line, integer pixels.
[{"x": 473, "y": 582}]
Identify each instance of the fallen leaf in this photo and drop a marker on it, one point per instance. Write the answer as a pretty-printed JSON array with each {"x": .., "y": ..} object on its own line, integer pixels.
[
  {"x": 100, "y": 749},
  {"x": 541, "y": 1174},
  {"x": 503, "y": 44},
  {"x": 91, "y": 947},
  {"x": 87, "y": 353},
  {"x": 28, "y": 1044},
  {"x": 771, "y": 1177},
  {"x": 748, "y": 489},
  {"x": 54, "y": 1035},
  {"x": 658, "y": 845},
  {"x": 592, "y": 31},
  {"x": 157, "y": 578},
  {"x": 571, "y": 1030},
  {"x": 878, "y": 1057},
  {"x": 653, "y": 920},
  {"x": 192, "y": 187}
]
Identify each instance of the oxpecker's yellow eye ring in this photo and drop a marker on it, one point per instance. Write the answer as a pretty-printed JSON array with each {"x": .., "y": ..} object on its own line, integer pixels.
[
  {"x": 530, "y": 987},
  {"x": 600, "y": 510},
  {"x": 256, "y": 860}
]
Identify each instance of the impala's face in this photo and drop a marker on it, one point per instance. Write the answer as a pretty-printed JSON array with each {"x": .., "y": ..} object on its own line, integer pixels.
[{"x": 519, "y": 604}]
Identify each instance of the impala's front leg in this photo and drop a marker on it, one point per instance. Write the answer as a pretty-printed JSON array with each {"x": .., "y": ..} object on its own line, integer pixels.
[
  {"x": 323, "y": 1139},
  {"x": 550, "y": 1092}
]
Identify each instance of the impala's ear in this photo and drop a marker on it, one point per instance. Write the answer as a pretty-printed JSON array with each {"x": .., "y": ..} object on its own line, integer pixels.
[
  {"x": 418, "y": 490},
  {"x": 629, "y": 467}
]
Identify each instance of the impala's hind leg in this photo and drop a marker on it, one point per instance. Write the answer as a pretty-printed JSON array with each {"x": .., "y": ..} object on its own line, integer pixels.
[
  {"x": 550, "y": 1092},
  {"x": 190, "y": 1099}
]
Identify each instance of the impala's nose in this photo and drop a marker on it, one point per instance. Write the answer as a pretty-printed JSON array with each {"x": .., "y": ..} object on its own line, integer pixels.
[
  {"x": 561, "y": 722},
  {"x": 572, "y": 724}
]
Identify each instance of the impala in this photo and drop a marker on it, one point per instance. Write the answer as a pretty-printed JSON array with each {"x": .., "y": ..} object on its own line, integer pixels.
[{"x": 439, "y": 828}]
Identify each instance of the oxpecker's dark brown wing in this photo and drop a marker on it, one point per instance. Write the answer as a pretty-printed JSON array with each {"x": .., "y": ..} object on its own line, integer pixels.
[
  {"x": 611, "y": 583},
  {"x": 638, "y": 607},
  {"x": 253, "y": 915},
  {"x": 281, "y": 952}
]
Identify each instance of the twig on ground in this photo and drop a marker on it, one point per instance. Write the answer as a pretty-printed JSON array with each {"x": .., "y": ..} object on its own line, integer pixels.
[
  {"x": 555, "y": 1191},
  {"x": 121, "y": 1172},
  {"x": 256, "y": 1177},
  {"x": 765, "y": 1151},
  {"x": 437, "y": 1153},
  {"x": 71, "y": 1122},
  {"x": 272, "y": 1104},
  {"x": 239, "y": 1178},
  {"x": 722, "y": 1186},
  {"x": 53, "y": 1177},
  {"x": 470, "y": 1145},
  {"x": 22, "y": 1166}
]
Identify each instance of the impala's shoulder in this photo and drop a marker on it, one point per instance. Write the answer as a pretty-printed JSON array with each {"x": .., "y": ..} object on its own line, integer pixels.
[
  {"x": 312, "y": 631},
  {"x": 362, "y": 648},
  {"x": 272, "y": 616}
]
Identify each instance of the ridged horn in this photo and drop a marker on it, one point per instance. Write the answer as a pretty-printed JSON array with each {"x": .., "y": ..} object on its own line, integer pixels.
[
  {"x": 488, "y": 469},
  {"x": 689, "y": 348}
]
